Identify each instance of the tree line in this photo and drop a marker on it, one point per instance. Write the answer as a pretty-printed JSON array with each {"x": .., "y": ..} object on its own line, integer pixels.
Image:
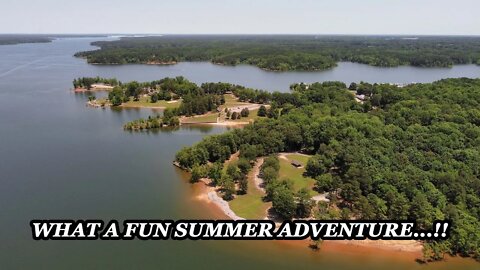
[
  {"x": 12, "y": 39},
  {"x": 283, "y": 52}
]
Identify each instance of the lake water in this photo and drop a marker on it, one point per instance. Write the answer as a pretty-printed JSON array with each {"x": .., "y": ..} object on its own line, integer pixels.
[
  {"x": 254, "y": 77},
  {"x": 62, "y": 160}
]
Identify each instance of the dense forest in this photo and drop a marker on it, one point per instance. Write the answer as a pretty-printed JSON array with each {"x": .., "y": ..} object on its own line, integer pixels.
[
  {"x": 294, "y": 52},
  {"x": 18, "y": 39},
  {"x": 400, "y": 153}
]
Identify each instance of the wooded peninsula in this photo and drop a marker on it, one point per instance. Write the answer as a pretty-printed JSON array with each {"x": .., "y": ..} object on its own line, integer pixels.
[
  {"x": 289, "y": 52},
  {"x": 375, "y": 151},
  {"x": 332, "y": 151},
  {"x": 18, "y": 39}
]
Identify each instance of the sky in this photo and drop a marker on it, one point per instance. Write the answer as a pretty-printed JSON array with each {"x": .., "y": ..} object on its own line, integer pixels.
[{"x": 420, "y": 17}]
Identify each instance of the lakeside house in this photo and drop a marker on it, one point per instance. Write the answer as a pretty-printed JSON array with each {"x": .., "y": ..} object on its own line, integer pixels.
[{"x": 296, "y": 164}]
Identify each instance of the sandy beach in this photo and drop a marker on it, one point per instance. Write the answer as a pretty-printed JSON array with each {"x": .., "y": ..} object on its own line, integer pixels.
[{"x": 210, "y": 196}]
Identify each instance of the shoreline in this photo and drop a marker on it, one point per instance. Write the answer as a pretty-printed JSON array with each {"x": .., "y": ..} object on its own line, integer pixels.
[
  {"x": 171, "y": 63},
  {"x": 335, "y": 65},
  {"x": 153, "y": 63},
  {"x": 95, "y": 104},
  {"x": 141, "y": 107},
  {"x": 408, "y": 247},
  {"x": 226, "y": 124},
  {"x": 209, "y": 195},
  {"x": 85, "y": 90},
  {"x": 184, "y": 120}
]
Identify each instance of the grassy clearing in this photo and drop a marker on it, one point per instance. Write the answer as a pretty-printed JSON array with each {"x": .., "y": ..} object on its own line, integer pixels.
[
  {"x": 287, "y": 170},
  {"x": 232, "y": 101},
  {"x": 250, "y": 118},
  {"x": 250, "y": 205},
  {"x": 206, "y": 118},
  {"x": 144, "y": 102}
]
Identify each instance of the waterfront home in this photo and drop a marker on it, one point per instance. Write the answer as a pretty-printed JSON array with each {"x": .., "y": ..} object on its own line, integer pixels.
[{"x": 296, "y": 164}]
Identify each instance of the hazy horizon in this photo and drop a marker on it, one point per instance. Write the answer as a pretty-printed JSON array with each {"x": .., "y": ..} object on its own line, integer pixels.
[
  {"x": 237, "y": 34},
  {"x": 304, "y": 17}
]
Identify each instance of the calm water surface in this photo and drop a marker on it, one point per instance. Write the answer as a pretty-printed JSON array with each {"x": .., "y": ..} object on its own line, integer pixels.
[
  {"x": 252, "y": 76},
  {"x": 62, "y": 160}
]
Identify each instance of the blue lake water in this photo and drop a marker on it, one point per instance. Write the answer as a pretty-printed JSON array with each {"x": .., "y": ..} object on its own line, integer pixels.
[{"x": 62, "y": 160}]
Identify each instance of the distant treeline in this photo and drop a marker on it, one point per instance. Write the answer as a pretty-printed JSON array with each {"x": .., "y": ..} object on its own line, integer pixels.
[
  {"x": 290, "y": 52},
  {"x": 18, "y": 39},
  {"x": 402, "y": 153}
]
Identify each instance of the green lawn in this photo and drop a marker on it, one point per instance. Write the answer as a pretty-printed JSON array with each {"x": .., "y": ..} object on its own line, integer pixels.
[
  {"x": 287, "y": 170},
  {"x": 145, "y": 102},
  {"x": 232, "y": 101},
  {"x": 250, "y": 205},
  {"x": 207, "y": 118},
  {"x": 251, "y": 117}
]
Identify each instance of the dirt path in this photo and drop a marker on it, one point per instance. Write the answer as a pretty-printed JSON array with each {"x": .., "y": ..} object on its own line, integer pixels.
[
  {"x": 250, "y": 107},
  {"x": 256, "y": 171},
  {"x": 213, "y": 197},
  {"x": 321, "y": 197},
  {"x": 284, "y": 155}
]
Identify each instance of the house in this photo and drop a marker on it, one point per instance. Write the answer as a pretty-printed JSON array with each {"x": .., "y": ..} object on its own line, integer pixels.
[
  {"x": 360, "y": 97},
  {"x": 296, "y": 164}
]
